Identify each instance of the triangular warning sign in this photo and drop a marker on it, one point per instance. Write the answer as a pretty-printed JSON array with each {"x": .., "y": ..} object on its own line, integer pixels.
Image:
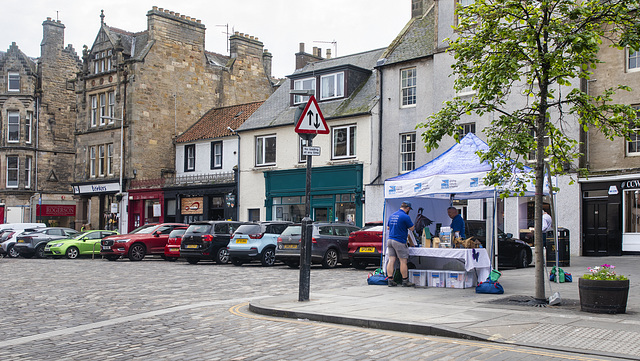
[{"x": 312, "y": 121}]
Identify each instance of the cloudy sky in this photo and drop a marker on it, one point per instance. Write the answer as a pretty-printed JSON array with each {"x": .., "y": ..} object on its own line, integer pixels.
[{"x": 355, "y": 25}]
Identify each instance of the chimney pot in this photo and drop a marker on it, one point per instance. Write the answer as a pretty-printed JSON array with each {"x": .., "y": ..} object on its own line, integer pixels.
[
  {"x": 161, "y": 9},
  {"x": 199, "y": 21},
  {"x": 328, "y": 53},
  {"x": 302, "y": 47},
  {"x": 48, "y": 19},
  {"x": 154, "y": 8}
]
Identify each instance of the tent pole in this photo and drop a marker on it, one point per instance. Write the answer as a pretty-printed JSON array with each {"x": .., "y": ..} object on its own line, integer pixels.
[{"x": 494, "y": 246}]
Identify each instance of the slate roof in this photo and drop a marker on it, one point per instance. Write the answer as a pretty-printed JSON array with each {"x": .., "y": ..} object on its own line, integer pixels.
[
  {"x": 277, "y": 110},
  {"x": 416, "y": 40},
  {"x": 215, "y": 122}
]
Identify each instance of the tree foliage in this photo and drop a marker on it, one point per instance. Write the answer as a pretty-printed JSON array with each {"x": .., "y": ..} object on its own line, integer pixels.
[{"x": 538, "y": 52}]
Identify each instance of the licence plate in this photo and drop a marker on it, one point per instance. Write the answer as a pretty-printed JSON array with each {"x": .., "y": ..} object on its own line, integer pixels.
[
  {"x": 46, "y": 249},
  {"x": 21, "y": 241},
  {"x": 243, "y": 241},
  {"x": 174, "y": 249},
  {"x": 106, "y": 247},
  {"x": 290, "y": 246},
  {"x": 192, "y": 246},
  {"x": 367, "y": 249}
]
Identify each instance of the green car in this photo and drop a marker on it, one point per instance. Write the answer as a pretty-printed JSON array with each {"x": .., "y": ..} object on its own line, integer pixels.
[{"x": 85, "y": 243}]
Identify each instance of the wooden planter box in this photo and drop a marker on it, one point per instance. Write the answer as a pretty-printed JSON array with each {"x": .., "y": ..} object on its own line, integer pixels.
[{"x": 599, "y": 296}]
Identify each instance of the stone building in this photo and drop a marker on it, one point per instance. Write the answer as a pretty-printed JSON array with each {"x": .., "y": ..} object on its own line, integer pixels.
[
  {"x": 160, "y": 81},
  {"x": 38, "y": 116}
]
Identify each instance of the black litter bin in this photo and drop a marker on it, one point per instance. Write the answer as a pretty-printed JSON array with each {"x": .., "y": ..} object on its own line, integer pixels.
[{"x": 563, "y": 248}]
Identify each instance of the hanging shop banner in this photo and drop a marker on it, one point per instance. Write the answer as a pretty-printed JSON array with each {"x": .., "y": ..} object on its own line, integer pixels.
[{"x": 191, "y": 205}]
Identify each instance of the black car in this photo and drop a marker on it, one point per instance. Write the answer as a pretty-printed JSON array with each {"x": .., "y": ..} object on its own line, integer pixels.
[
  {"x": 330, "y": 244},
  {"x": 208, "y": 240},
  {"x": 511, "y": 252}
]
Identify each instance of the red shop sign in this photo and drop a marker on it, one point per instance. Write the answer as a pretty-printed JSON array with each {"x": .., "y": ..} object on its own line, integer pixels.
[{"x": 56, "y": 210}]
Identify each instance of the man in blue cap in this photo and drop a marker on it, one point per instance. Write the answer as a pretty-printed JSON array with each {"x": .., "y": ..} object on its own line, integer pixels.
[{"x": 399, "y": 225}]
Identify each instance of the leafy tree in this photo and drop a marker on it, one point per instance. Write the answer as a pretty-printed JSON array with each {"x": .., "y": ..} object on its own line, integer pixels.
[{"x": 538, "y": 50}]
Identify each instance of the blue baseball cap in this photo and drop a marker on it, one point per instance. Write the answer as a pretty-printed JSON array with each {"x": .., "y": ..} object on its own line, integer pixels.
[{"x": 406, "y": 204}]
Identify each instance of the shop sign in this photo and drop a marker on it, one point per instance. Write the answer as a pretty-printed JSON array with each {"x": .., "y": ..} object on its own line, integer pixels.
[
  {"x": 613, "y": 190},
  {"x": 56, "y": 210},
  {"x": 630, "y": 184},
  {"x": 96, "y": 188},
  {"x": 191, "y": 205}
]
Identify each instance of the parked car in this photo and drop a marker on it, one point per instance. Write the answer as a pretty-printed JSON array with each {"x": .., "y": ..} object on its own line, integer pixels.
[
  {"x": 511, "y": 252},
  {"x": 365, "y": 245},
  {"x": 85, "y": 243},
  {"x": 172, "y": 249},
  {"x": 7, "y": 243},
  {"x": 208, "y": 240},
  {"x": 32, "y": 243},
  {"x": 329, "y": 245},
  {"x": 256, "y": 241},
  {"x": 145, "y": 240}
]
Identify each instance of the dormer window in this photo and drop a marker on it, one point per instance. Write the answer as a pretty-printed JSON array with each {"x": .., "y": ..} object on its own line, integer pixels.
[
  {"x": 303, "y": 84},
  {"x": 102, "y": 61},
  {"x": 332, "y": 86},
  {"x": 14, "y": 82}
]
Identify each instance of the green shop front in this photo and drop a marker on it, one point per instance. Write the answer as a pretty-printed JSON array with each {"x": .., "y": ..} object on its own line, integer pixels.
[{"x": 336, "y": 194}]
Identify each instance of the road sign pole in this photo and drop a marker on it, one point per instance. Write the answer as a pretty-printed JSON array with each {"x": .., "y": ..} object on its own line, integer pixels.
[{"x": 307, "y": 230}]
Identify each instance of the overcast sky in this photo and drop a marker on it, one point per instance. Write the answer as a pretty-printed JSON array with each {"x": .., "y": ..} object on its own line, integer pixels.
[{"x": 355, "y": 25}]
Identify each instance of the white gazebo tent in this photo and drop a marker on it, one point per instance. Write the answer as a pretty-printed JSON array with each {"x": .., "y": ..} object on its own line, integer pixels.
[{"x": 457, "y": 173}]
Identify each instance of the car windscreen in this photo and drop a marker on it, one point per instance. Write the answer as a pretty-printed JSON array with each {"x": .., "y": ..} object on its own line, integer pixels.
[
  {"x": 198, "y": 229},
  {"x": 146, "y": 229},
  {"x": 176, "y": 233},
  {"x": 249, "y": 229},
  {"x": 374, "y": 229},
  {"x": 292, "y": 231}
]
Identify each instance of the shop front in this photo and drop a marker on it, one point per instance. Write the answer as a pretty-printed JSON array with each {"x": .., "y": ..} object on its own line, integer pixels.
[
  {"x": 97, "y": 206},
  {"x": 145, "y": 206},
  {"x": 56, "y": 215},
  {"x": 606, "y": 232},
  {"x": 336, "y": 194},
  {"x": 199, "y": 203}
]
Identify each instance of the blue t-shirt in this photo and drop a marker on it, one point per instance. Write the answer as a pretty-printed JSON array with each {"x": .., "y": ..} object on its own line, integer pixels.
[
  {"x": 457, "y": 225},
  {"x": 399, "y": 224}
]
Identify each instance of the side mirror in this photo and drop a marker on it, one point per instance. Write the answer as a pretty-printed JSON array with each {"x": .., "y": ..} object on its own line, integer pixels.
[
  {"x": 509, "y": 235},
  {"x": 156, "y": 234}
]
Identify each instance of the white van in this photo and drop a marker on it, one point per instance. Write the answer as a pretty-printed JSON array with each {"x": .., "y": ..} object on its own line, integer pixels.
[{"x": 8, "y": 238}]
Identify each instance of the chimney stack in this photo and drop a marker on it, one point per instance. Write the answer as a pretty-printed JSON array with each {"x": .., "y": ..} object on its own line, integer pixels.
[{"x": 302, "y": 58}]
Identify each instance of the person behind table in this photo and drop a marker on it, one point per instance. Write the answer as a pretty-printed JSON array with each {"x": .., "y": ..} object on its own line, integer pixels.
[
  {"x": 457, "y": 223},
  {"x": 399, "y": 225}
]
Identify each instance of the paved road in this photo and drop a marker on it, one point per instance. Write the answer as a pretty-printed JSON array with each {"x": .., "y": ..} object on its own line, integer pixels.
[{"x": 155, "y": 310}]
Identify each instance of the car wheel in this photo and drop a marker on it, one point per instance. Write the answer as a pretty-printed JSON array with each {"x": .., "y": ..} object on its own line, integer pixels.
[
  {"x": 170, "y": 259},
  {"x": 136, "y": 252},
  {"x": 12, "y": 252},
  {"x": 330, "y": 259},
  {"x": 222, "y": 256},
  {"x": 359, "y": 264},
  {"x": 72, "y": 253},
  {"x": 268, "y": 257},
  {"x": 112, "y": 258},
  {"x": 40, "y": 251},
  {"x": 292, "y": 264},
  {"x": 236, "y": 261},
  {"x": 523, "y": 260},
  {"x": 193, "y": 260}
]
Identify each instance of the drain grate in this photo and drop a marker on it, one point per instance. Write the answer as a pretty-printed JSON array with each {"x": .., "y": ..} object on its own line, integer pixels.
[{"x": 529, "y": 301}]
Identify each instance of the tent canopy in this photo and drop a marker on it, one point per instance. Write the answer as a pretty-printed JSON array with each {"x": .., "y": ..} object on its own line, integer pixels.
[{"x": 457, "y": 173}]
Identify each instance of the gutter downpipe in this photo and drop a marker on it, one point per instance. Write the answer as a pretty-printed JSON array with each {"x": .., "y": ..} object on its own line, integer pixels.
[
  {"x": 380, "y": 105},
  {"x": 36, "y": 151}
]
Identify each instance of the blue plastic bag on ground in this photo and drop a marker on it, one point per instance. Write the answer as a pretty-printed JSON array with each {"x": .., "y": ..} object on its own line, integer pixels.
[
  {"x": 377, "y": 278},
  {"x": 489, "y": 286}
]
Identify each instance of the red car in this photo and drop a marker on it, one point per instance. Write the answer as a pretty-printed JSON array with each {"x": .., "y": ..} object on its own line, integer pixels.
[
  {"x": 365, "y": 245},
  {"x": 144, "y": 240},
  {"x": 172, "y": 249}
]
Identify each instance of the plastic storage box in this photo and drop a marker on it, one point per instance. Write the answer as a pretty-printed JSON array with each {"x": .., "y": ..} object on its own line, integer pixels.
[
  {"x": 419, "y": 277},
  {"x": 460, "y": 279},
  {"x": 436, "y": 278}
]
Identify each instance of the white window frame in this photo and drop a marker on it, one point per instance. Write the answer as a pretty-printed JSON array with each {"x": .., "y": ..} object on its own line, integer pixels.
[
  {"x": 27, "y": 127},
  {"x": 13, "y": 76},
  {"x": 111, "y": 96},
  {"x": 351, "y": 141},
  {"x": 408, "y": 87},
  {"x": 94, "y": 110},
  {"x": 635, "y": 138},
  {"x": 13, "y": 126},
  {"x": 103, "y": 108},
  {"x": 110, "y": 159},
  {"x": 27, "y": 172},
  {"x": 101, "y": 160},
  {"x": 338, "y": 86},
  {"x": 300, "y": 85},
  {"x": 467, "y": 128},
  {"x": 216, "y": 154},
  {"x": 92, "y": 161},
  {"x": 262, "y": 148},
  {"x": 189, "y": 157},
  {"x": 407, "y": 152},
  {"x": 15, "y": 170},
  {"x": 466, "y": 91},
  {"x": 632, "y": 55}
]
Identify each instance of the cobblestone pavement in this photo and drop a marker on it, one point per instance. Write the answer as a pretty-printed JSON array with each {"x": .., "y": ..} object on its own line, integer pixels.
[{"x": 155, "y": 310}]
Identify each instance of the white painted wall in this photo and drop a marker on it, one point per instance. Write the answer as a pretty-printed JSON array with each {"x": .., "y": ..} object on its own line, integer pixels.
[{"x": 203, "y": 156}]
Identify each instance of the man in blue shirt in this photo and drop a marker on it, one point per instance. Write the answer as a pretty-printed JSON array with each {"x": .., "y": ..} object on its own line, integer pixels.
[
  {"x": 457, "y": 223},
  {"x": 399, "y": 225}
]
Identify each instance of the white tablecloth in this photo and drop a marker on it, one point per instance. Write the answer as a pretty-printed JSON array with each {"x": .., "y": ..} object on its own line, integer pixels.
[{"x": 473, "y": 258}]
